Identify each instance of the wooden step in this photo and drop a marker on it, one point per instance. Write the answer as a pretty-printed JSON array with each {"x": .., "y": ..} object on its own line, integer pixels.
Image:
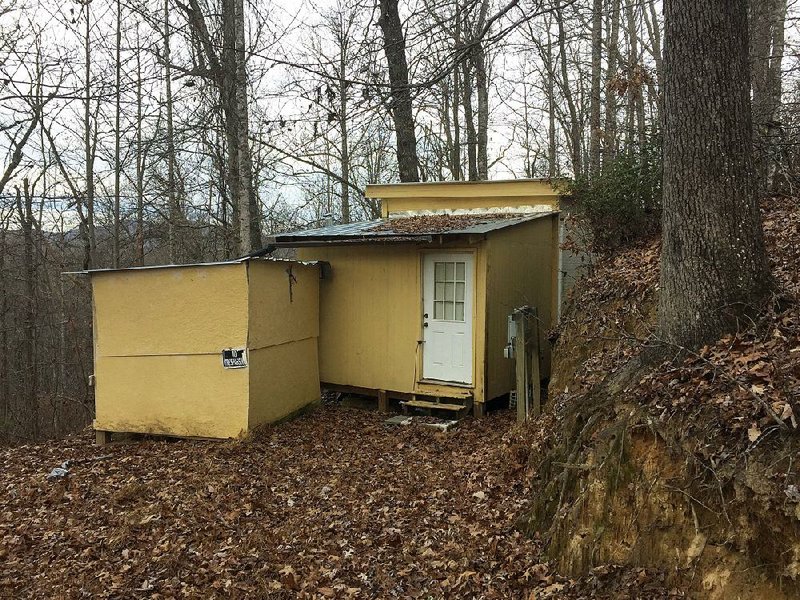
[{"x": 433, "y": 405}]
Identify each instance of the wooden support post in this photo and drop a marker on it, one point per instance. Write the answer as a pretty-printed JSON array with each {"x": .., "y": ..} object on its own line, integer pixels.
[
  {"x": 521, "y": 363},
  {"x": 478, "y": 409},
  {"x": 535, "y": 377},
  {"x": 102, "y": 437},
  {"x": 383, "y": 401}
]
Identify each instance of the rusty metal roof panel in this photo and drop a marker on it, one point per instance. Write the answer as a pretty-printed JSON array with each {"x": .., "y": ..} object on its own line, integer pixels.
[{"x": 410, "y": 229}]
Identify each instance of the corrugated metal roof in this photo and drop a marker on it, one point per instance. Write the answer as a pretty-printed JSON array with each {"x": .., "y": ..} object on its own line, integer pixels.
[
  {"x": 233, "y": 261},
  {"x": 409, "y": 229}
]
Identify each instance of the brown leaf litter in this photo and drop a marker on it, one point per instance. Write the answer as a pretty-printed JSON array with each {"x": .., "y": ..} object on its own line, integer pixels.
[{"x": 331, "y": 505}]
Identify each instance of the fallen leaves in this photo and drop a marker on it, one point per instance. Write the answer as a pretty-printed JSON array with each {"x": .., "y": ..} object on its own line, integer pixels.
[{"x": 332, "y": 505}]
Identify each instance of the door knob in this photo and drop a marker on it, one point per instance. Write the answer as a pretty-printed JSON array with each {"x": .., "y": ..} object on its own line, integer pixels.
[
  {"x": 425, "y": 324},
  {"x": 425, "y": 315}
]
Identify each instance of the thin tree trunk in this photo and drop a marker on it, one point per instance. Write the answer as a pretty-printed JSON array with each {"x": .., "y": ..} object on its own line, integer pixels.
[
  {"x": 90, "y": 258},
  {"x": 117, "y": 165},
  {"x": 713, "y": 262},
  {"x": 139, "y": 159},
  {"x": 174, "y": 210},
  {"x": 394, "y": 45},
  {"x": 5, "y": 375},
  {"x": 29, "y": 368},
  {"x": 552, "y": 155},
  {"x": 458, "y": 172},
  {"x": 766, "y": 55},
  {"x": 344, "y": 150},
  {"x": 610, "y": 146},
  {"x": 594, "y": 112},
  {"x": 250, "y": 225},
  {"x": 469, "y": 117},
  {"x": 575, "y": 125}
]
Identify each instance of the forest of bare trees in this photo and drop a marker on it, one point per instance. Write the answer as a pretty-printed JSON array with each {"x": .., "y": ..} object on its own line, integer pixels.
[{"x": 138, "y": 132}]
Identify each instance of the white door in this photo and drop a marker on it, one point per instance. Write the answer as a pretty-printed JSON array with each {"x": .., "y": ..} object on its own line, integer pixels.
[{"x": 448, "y": 281}]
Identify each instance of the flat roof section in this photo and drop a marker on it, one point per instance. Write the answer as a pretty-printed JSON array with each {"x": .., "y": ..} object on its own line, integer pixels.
[{"x": 419, "y": 229}]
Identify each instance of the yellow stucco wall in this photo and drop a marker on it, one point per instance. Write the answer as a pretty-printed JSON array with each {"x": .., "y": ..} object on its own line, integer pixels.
[
  {"x": 278, "y": 315},
  {"x": 283, "y": 379},
  {"x": 284, "y": 329},
  {"x": 158, "y": 338},
  {"x": 522, "y": 265},
  {"x": 371, "y": 317},
  {"x": 185, "y": 310},
  {"x": 182, "y": 395},
  {"x": 159, "y": 334}
]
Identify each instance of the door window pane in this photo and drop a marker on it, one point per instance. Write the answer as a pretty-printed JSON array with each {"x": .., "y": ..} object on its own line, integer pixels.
[
  {"x": 439, "y": 271},
  {"x": 448, "y": 311},
  {"x": 459, "y": 291},
  {"x": 449, "y": 290}
]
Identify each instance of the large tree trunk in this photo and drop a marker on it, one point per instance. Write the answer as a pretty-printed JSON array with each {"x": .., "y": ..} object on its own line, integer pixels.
[
  {"x": 713, "y": 263},
  {"x": 394, "y": 45}
]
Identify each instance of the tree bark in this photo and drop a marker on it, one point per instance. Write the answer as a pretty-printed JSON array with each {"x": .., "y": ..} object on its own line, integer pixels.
[
  {"x": 469, "y": 118},
  {"x": 713, "y": 262},
  {"x": 139, "y": 260},
  {"x": 767, "y": 19},
  {"x": 91, "y": 240},
  {"x": 117, "y": 109},
  {"x": 5, "y": 398},
  {"x": 594, "y": 111},
  {"x": 394, "y": 45},
  {"x": 173, "y": 208},
  {"x": 575, "y": 123},
  {"x": 610, "y": 145},
  {"x": 248, "y": 203}
]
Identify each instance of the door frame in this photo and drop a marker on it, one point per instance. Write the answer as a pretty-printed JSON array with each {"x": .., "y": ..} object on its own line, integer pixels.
[{"x": 420, "y": 379}]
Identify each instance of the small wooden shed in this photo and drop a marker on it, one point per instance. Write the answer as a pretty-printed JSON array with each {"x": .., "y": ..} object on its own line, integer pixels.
[
  {"x": 208, "y": 350},
  {"x": 417, "y": 302}
]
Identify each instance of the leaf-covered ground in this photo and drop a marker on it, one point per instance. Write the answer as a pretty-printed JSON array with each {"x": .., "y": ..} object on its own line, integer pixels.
[{"x": 331, "y": 505}]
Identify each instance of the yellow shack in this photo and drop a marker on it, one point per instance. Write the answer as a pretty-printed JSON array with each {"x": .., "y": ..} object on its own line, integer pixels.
[
  {"x": 416, "y": 304},
  {"x": 208, "y": 350}
]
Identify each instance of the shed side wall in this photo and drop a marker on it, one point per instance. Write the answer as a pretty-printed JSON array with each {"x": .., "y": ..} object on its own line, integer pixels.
[
  {"x": 186, "y": 310},
  {"x": 158, "y": 338},
  {"x": 283, "y": 307},
  {"x": 370, "y": 309},
  {"x": 522, "y": 269},
  {"x": 284, "y": 331}
]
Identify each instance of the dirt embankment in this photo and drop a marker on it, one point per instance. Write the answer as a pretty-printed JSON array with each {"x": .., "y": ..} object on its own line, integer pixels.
[{"x": 688, "y": 465}]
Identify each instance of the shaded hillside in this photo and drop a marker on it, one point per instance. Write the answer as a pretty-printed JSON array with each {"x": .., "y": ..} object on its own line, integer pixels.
[{"x": 690, "y": 463}]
